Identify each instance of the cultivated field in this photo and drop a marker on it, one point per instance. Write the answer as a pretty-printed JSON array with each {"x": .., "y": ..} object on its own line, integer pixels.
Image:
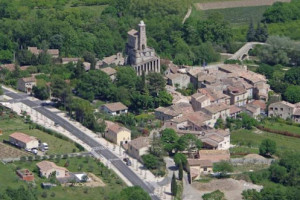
[
  {"x": 7, "y": 151},
  {"x": 235, "y": 4}
]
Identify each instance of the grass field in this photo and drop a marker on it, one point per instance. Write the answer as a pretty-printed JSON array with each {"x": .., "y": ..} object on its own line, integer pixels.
[
  {"x": 282, "y": 127},
  {"x": 249, "y": 141},
  {"x": 56, "y": 145},
  {"x": 112, "y": 181}
]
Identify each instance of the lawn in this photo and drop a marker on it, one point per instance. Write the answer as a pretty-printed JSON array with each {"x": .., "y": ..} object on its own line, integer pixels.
[
  {"x": 56, "y": 145},
  {"x": 282, "y": 127},
  {"x": 112, "y": 181},
  {"x": 249, "y": 141}
]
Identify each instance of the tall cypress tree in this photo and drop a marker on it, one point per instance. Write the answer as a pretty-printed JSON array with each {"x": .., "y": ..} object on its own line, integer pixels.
[
  {"x": 180, "y": 175},
  {"x": 174, "y": 185},
  {"x": 251, "y": 32}
]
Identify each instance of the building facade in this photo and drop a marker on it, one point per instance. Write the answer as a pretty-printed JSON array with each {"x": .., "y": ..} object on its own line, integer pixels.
[{"x": 141, "y": 57}]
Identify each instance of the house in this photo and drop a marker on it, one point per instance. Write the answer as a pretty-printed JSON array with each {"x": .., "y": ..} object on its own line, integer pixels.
[
  {"x": 216, "y": 111},
  {"x": 285, "y": 110},
  {"x": 26, "y": 84},
  {"x": 114, "y": 108},
  {"x": 234, "y": 111},
  {"x": 215, "y": 95},
  {"x": 178, "y": 80},
  {"x": 261, "y": 104},
  {"x": 114, "y": 60},
  {"x": 238, "y": 95},
  {"x": 10, "y": 67},
  {"x": 252, "y": 110},
  {"x": 199, "y": 101},
  {"x": 47, "y": 168},
  {"x": 173, "y": 111},
  {"x": 196, "y": 167},
  {"x": 23, "y": 141},
  {"x": 111, "y": 72},
  {"x": 69, "y": 60},
  {"x": 138, "y": 147},
  {"x": 25, "y": 174},
  {"x": 214, "y": 155},
  {"x": 116, "y": 133},
  {"x": 54, "y": 53}
]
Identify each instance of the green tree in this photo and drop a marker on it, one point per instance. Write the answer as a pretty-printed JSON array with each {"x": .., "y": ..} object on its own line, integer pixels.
[
  {"x": 169, "y": 140},
  {"x": 278, "y": 174},
  {"x": 126, "y": 77},
  {"x": 180, "y": 158},
  {"x": 215, "y": 195},
  {"x": 292, "y": 76},
  {"x": 174, "y": 185},
  {"x": 41, "y": 92},
  {"x": 150, "y": 161},
  {"x": 251, "y": 32},
  {"x": 267, "y": 147},
  {"x": 223, "y": 167},
  {"x": 133, "y": 193},
  {"x": 156, "y": 83},
  {"x": 180, "y": 173},
  {"x": 292, "y": 94},
  {"x": 164, "y": 98},
  {"x": 188, "y": 142}
]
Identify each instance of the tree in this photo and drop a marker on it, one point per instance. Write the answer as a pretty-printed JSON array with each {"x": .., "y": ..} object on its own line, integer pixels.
[
  {"x": 164, "y": 98},
  {"x": 126, "y": 77},
  {"x": 169, "y": 139},
  {"x": 251, "y": 32},
  {"x": 180, "y": 158},
  {"x": 248, "y": 122},
  {"x": 79, "y": 69},
  {"x": 174, "y": 185},
  {"x": 215, "y": 195},
  {"x": 261, "y": 33},
  {"x": 90, "y": 57},
  {"x": 156, "y": 83},
  {"x": 150, "y": 161},
  {"x": 278, "y": 173},
  {"x": 292, "y": 94},
  {"x": 133, "y": 193},
  {"x": 188, "y": 142},
  {"x": 41, "y": 92},
  {"x": 223, "y": 167},
  {"x": 180, "y": 173},
  {"x": 292, "y": 76},
  {"x": 267, "y": 147}
]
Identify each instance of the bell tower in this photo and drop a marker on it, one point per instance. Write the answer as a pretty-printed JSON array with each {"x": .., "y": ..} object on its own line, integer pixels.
[{"x": 142, "y": 36}]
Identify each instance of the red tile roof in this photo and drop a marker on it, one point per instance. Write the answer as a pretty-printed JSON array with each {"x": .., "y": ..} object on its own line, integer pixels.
[{"x": 22, "y": 137}]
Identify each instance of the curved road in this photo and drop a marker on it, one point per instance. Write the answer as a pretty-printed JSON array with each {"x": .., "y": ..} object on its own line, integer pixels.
[{"x": 101, "y": 150}]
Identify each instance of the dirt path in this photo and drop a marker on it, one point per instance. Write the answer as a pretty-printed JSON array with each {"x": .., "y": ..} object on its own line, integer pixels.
[
  {"x": 188, "y": 14},
  {"x": 235, "y": 4},
  {"x": 230, "y": 187}
]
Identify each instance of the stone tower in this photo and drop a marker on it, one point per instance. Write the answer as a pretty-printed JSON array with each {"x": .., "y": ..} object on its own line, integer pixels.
[{"x": 142, "y": 36}]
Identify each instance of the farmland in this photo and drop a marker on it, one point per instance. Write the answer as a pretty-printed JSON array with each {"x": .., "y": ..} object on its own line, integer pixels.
[{"x": 112, "y": 187}]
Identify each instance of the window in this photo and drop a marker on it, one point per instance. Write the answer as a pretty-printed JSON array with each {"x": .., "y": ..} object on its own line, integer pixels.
[
  {"x": 271, "y": 108},
  {"x": 205, "y": 169},
  {"x": 276, "y": 108},
  {"x": 281, "y": 109}
]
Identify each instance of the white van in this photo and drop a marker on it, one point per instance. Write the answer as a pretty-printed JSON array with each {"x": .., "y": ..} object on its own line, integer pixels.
[{"x": 44, "y": 146}]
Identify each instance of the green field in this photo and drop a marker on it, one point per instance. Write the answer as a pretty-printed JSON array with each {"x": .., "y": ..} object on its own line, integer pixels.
[
  {"x": 235, "y": 16},
  {"x": 56, "y": 145},
  {"x": 113, "y": 183},
  {"x": 282, "y": 127},
  {"x": 248, "y": 141}
]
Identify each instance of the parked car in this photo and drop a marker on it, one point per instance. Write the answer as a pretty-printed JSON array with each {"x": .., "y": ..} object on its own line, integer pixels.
[
  {"x": 127, "y": 161},
  {"x": 34, "y": 151}
]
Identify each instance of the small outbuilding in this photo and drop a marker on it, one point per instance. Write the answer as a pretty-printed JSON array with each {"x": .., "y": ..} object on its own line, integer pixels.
[
  {"x": 23, "y": 141},
  {"x": 114, "y": 108}
]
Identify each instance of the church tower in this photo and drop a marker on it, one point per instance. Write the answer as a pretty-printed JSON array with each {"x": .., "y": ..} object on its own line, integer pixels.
[{"x": 142, "y": 36}]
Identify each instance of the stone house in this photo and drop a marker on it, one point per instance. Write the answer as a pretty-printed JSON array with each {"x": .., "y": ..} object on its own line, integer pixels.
[
  {"x": 54, "y": 53},
  {"x": 196, "y": 167},
  {"x": 252, "y": 110},
  {"x": 199, "y": 101},
  {"x": 178, "y": 80},
  {"x": 111, "y": 72},
  {"x": 114, "y": 60},
  {"x": 10, "y": 67},
  {"x": 215, "y": 95},
  {"x": 238, "y": 95},
  {"x": 47, "y": 168},
  {"x": 217, "y": 111},
  {"x": 116, "y": 133},
  {"x": 25, "y": 174},
  {"x": 23, "y": 141},
  {"x": 26, "y": 84},
  {"x": 285, "y": 110},
  {"x": 138, "y": 147},
  {"x": 234, "y": 111},
  {"x": 174, "y": 111},
  {"x": 114, "y": 108}
]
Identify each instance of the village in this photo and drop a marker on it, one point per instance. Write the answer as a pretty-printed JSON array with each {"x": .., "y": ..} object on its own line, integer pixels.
[{"x": 221, "y": 92}]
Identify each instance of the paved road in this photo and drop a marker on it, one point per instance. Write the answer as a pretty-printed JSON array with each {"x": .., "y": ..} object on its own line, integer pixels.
[
  {"x": 244, "y": 50},
  {"x": 101, "y": 150}
]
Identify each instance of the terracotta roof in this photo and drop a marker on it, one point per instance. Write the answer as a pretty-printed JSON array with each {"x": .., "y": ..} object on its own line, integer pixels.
[
  {"x": 200, "y": 97},
  {"x": 260, "y": 103},
  {"x": 115, "y": 106},
  {"x": 213, "y": 94},
  {"x": 197, "y": 118},
  {"x": 202, "y": 163},
  {"x": 109, "y": 71},
  {"x": 236, "y": 90},
  {"x": 9, "y": 67},
  {"x": 252, "y": 108},
  {"x": 140, "y": 142},
  {"x": 215, "y": 108},
  {"x": 216, "y": 138},
  {"x": 194, "y": 71},
  {"x": 28, "y": 79},
  {"x": 114, "y": 127},
  {"x": 34, "y": 50},
  {"x": 172, "y": 76},
  {"x": 53, "y": 51},
  {"x": 234, "y": 109},
  {"x": 22, "y": 137},
  {"x": 47, "y": 165},
  {"x": 210, "y": 142},
  {"x": 70, "y": 59},
  {"x": 213, "y": 152},
  {"x": 284, "y": 103}
]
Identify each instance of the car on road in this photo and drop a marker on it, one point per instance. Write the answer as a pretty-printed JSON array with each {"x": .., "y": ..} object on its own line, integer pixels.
[{"x": 127, "y": 161}]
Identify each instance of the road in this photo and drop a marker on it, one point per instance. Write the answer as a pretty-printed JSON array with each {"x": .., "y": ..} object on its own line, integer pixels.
[
  {"x": 101, "y": 150},
  {"x": 244, "y": 50}
]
